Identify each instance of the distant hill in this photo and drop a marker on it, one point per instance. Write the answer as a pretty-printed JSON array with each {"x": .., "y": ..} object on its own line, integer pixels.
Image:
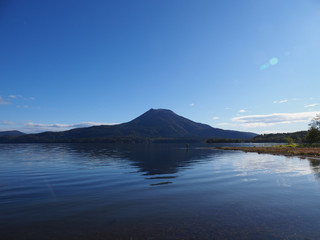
[
  {"x": 154, "y": 125},
  {"x": 298, "y": 137},
  {"x": 13, "y": 133}
]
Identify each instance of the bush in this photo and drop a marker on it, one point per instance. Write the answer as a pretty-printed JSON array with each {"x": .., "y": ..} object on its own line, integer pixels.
[{"x": 289, "y": 140}]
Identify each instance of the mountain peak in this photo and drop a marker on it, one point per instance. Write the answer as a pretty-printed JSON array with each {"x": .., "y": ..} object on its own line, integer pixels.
[
  {"x": 152, "y": 110},
  {"x": 154, "y": 115}
]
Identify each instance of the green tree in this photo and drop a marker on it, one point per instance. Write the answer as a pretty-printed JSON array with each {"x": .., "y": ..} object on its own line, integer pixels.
[
  {"x": 315, "y": 122},
  {"x": 313, "y": 134},
  {"x": 289, "y": 140}
]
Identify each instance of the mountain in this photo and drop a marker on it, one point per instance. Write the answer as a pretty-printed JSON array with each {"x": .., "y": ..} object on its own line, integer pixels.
[
  {"x": 13, "y": 133},
  {"x": 152, "y": 125}
]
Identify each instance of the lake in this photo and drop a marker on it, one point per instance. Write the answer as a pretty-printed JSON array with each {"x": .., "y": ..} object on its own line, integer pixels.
[{"x": 155, "y": 191}]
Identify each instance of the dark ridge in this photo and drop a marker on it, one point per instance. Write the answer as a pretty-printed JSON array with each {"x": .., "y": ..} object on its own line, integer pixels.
[
  {"x": 298, "y": 137},
  {"x": 12, "y": 133}
]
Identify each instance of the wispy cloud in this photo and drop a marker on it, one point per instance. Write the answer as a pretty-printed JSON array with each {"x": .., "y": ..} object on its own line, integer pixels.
[
  {"x": 281, "y": 101},
  {"x": 215, "y": 118},
  {"x": 242, "y": 111},
  {"x": 5, "y": 122},
  {"x": 3, "y": 102},
  {"x": 21, "y": 97},
  {"x": 311, "y": 105},
  {"x": 41, "y": 127},
  {"x": 191, "y": 104},
  {"x": 273, "y": 119}
]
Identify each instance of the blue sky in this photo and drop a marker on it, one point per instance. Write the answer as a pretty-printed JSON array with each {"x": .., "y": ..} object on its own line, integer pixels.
[{"x": 243, "y": 65}]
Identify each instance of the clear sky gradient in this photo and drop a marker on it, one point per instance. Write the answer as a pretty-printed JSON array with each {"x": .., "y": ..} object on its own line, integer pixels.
[{"x": 243, "y": 65}]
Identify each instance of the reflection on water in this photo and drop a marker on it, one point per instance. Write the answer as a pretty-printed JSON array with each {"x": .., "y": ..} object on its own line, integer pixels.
[
  {"x": 151, "y": 159},
  {"x": 315, "y": 166},
  {"x": 155, "y": 191}
]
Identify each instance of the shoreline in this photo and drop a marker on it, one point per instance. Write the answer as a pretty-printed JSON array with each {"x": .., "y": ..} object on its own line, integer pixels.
[{"x": 279, "y": 150}]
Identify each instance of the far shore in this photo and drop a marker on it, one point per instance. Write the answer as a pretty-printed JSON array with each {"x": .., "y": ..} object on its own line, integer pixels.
[{"x": 279, "y": 150}]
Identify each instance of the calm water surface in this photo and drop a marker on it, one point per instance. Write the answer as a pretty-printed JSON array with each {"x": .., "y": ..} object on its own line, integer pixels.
[{"x": 97, "y": 191}]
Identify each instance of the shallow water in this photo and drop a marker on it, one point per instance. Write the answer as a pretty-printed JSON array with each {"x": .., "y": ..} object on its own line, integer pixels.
[{"x": 156, "y": 191}]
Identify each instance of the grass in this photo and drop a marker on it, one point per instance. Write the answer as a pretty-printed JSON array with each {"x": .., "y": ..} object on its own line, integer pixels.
[{"x": 287, "y": 150}]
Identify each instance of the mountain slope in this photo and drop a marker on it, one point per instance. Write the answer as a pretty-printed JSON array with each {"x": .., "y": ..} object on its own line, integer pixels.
[
  {"x": 155, "y": 123},
  {"x": 13, "y": 133}
]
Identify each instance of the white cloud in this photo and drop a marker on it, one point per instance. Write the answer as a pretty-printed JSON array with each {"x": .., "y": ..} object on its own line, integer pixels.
[
  {"x": 215, "y": 118},
  {"x": 311, "y": 105},
  {"x": 3, "y": 102},
  {"x": 191, "y": 104},
  {"x": 242, "y": 111},
  {"x": 41, "y": 127},
  {"x": 281, "y": 101},
  {"x": 273, "y": 119},
  {"x": 12, "y": 96}
]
